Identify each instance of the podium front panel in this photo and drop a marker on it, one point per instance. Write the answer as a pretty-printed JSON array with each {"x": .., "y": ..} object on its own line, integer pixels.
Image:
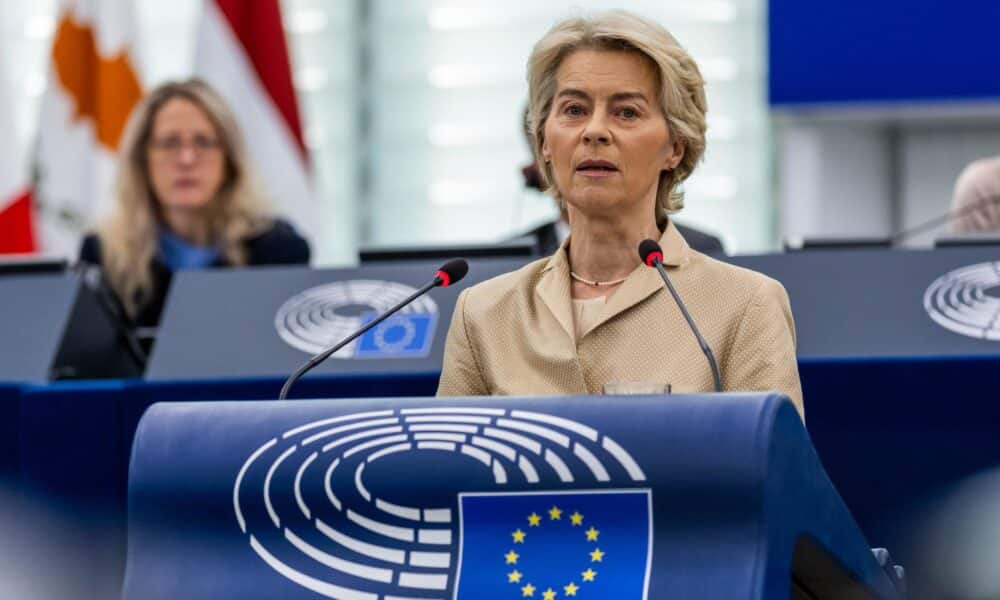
[{"x": 485, "y": 498}]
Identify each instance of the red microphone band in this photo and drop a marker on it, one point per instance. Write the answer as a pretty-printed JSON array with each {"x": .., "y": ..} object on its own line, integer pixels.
[
  {"x": 445, "y": 279},
  {"x": 652, "y": 257}
]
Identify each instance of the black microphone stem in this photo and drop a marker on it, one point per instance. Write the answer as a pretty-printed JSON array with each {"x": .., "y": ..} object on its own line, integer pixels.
[
  {"x": 701, "y": 341},
  {"x": 944, "y": 219},
  {"x": 326, "y": 353}
]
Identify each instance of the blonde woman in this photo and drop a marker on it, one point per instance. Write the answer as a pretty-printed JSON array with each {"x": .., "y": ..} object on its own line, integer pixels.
[
  {"x": 617, "y": 112},
  {"x": 184, "y": 201}
]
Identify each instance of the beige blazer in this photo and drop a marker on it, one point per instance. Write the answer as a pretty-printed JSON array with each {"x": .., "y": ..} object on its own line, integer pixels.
[{"x": 514, "y": 334}]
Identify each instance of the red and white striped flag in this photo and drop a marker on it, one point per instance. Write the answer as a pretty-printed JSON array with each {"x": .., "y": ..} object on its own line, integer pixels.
[
  {"x": 93, "y": 87},
  {"x": 243, "y": 54},
  {"x": 16, "y": 227}
]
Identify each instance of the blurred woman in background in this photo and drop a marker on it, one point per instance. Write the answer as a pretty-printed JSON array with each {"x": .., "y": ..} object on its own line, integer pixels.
[{"x": 185, "y": 199}]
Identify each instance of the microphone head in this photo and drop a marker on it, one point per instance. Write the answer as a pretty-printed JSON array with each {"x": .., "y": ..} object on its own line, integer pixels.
[
  {"x": 650, "y": 252},
  {"x": 452, "y": 271}
]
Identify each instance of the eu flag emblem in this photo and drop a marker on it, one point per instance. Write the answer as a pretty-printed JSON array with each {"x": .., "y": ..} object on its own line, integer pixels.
[
  {"x": 549, "y": 545},
  {"x": 406, "y": 335}
]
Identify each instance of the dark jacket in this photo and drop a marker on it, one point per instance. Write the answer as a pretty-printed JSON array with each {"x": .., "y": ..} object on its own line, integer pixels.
[
  {"x": 279, "y": 245},
  {"x": 547, "y": 240}
]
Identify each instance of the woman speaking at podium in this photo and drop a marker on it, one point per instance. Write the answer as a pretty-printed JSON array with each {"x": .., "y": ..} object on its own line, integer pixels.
[
  {"x": 617, "y": 115},
  {"x": 184, "y": 199}
]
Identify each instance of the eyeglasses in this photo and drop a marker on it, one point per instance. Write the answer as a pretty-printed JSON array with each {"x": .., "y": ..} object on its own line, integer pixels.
[{"x": 171, "y": 147}]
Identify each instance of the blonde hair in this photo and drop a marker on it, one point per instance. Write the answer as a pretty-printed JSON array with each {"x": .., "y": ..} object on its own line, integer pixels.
[
  {"x": 129, "y": 236},
  {"x": 682, "y": 89}
]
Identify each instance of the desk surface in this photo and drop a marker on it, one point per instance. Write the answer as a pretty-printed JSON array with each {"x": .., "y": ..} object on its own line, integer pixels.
[
  {"x": 851, "y": 304},
  {"x": 245, "y": 322},
  {"x": 34, "y": 310},
  {"x": 848, "y": 305}
]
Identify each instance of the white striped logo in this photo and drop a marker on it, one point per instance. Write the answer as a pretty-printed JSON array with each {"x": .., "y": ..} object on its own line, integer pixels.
[
  {"x": 966, "y": 301},
  {"x": 319, "y": 317},
  {"x": 349, "y": 541}
]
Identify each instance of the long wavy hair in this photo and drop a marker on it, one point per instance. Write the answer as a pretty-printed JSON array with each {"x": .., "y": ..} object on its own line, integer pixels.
[
  {"x": 129, "y": 235},
  {"x": 682, "y": 88}
]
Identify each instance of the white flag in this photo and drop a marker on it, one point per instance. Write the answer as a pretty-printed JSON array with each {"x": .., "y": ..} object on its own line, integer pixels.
[
  {"x": 242, "y": 53},
  {"x": 93, "y": 87},
  {"x": 16, "y": 231}
]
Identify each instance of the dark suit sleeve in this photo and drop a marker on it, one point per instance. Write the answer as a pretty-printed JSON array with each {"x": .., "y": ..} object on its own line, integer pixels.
[
  {"x": 280, "y": 245},
  {"x": 90, "y": 250},
  {"x": 705, "y": 243}
]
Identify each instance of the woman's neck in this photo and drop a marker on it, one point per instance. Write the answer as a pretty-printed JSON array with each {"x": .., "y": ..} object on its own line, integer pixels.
[
  {"x": 189, "y": 225},
  {"x": 603, "y": 250}
]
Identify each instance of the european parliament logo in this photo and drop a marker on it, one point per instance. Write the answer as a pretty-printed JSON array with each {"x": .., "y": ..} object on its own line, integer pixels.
[
  {"x": 966, "y": 301},
  {"x": 555, "y": 545},
  {"x": 319, "y": 317},
  {"x": 448, "y": 502}
]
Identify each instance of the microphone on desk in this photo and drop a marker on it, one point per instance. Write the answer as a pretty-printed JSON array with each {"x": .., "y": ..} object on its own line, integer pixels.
[
  {"x": 897, "y": 238},
  {"x": 652, "y": 255},
  {"x": 449, "y": 273},
  {"x": 943, "y": 219}
]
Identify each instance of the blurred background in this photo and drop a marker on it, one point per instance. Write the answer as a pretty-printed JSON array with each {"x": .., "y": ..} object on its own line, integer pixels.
[
  {"x": 412, "y": 110},
  {"x": 852, "y": 120}
]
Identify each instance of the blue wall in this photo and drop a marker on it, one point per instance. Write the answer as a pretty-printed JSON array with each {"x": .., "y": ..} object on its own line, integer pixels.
[{"x": 883, "y": 51}]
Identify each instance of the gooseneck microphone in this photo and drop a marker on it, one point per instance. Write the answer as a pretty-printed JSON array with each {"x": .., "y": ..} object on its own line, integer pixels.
[
  {"x": 945, "y": 219},
  {"x": 449, "y": 273},
  {"x": 652, "y": 255}
]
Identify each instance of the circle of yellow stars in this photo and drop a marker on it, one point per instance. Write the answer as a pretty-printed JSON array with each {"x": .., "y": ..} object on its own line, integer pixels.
[{"x": 519, "y": 536}]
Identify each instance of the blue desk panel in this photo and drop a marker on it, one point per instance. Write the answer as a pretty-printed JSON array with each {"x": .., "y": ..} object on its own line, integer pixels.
[{"x": 10, "y": 436}]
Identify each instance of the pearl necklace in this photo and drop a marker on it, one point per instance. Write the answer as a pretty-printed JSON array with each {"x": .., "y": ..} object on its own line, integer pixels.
[{"x": 596, "y": 283}]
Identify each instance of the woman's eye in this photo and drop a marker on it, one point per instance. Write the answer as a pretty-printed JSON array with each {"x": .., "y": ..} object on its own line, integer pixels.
[
  {"x": 573, "y": 110},
  {"x": 629, "y": 113}
]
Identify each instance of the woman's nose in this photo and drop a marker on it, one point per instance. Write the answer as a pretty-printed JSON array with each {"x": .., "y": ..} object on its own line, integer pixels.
[
  {"x": 187, "y": 155},
  {"x": 596, "y": 131}
]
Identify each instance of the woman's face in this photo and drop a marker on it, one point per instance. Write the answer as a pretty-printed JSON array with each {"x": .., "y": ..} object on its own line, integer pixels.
[
  {"x": 606, "y": 136},
  {"x": 185, "y": 157}
]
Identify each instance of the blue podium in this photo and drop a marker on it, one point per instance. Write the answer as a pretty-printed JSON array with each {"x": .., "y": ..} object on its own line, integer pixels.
[{"x": 626, "y": 497}]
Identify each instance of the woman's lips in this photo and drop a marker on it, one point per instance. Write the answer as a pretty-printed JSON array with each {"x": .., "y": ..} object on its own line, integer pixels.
[
  {"x": 597, "y": 169},
  {"x": 596, "y": 173}
]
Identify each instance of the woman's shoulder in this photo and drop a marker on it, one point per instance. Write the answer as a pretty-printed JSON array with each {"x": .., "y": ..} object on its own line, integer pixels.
[
  {"x": 507, "y": 286},
  {"x": 278, "y": 244}
]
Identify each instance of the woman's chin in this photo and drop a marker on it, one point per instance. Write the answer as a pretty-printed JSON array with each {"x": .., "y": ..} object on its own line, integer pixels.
[
  {"x": 185, "y": 202},
  {"x": 596, "y": 201}
]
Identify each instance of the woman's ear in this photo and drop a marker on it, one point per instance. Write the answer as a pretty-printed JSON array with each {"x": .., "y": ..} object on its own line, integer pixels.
[{"x": 675, "y": 157}]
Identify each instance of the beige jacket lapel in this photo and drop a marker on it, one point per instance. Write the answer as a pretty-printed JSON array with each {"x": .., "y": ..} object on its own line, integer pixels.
[
  {"x": 644, "y": 281},
  {"x": 554, "y": 290}
]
